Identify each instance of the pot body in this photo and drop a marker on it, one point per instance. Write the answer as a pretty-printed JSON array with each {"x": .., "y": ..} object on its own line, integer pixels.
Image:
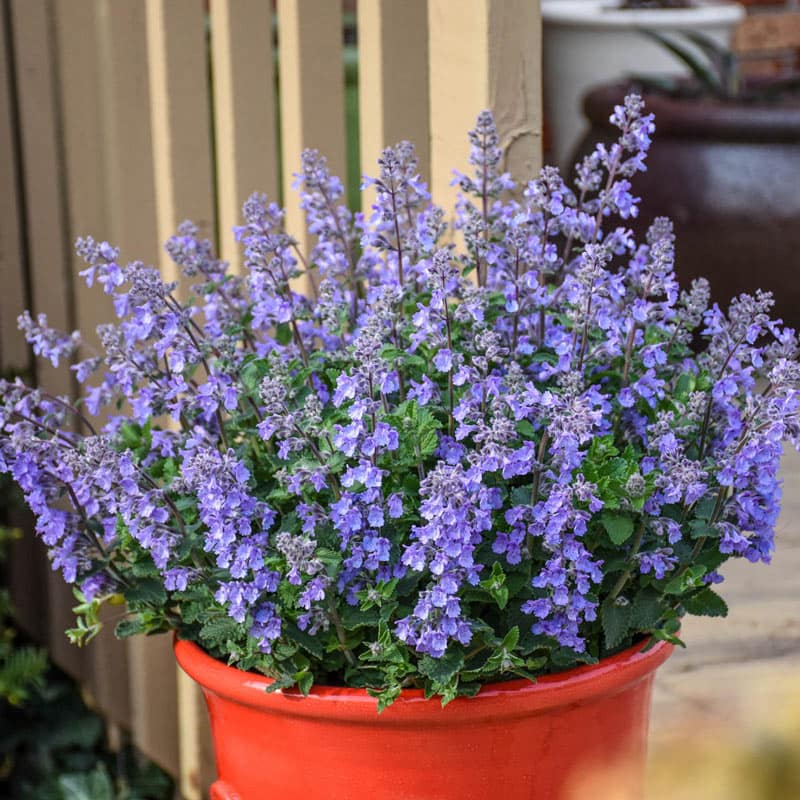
[
  {"x": 513, "y": 741},
  {"x": 587, "y": 42},
  {"x": 729, "y": 178}
]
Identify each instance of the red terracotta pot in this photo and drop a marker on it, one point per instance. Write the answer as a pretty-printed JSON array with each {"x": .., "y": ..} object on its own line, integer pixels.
[{"x": 512, "y": 741}]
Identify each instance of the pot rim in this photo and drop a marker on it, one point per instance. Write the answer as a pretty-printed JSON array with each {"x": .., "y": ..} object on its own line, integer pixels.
[
  {"x": 515, "y": 698},
  {"x": 606, "y": 15},
  {"x": 702, "y": 117}
]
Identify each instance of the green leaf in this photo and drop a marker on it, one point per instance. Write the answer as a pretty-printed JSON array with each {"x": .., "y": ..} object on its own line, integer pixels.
[
  {"x": 441, "y": 670},
  {"x": 96, "y": 785},
  {"x": 692, "y": 578},
  {"x": 684, "y": 386},
  {"x": 724, "y": 60},
  {"x": 217, "y": 630},
  {"x": 701, "y": 71},
  {"x": 495, "y": 585},
  {"x": 428, "y": 442},
  {"x": 132, "y": 626},
  {"x": 646, "y": 610},
  {"x": 510, "y": 640},
  {"x": 131, "y": 435},
  {"x": 663, "y": 636},
  {"x": 705, "y": 507},
  {"x": 525, "y": 429},
  {"x": 385, "y": 697},
  {"x": 305, "y": 680},
  {"x": 284, "y": 682},
  {"x": 283, "y": 333},
  {"x": 147, "y": 591},
  {"x": 252, "y": 373},
  {"x": 701, "y": 529},
  {"x": 602, "y": 448},
  {"x": 619, "y": 527},
  {"x": 521, "y": 495},
  {"x": 706, "y": 603},
  {"x": 311, "y": 644},
  {"x": 353, "y": 617},
  {"x": 616, "y": 619},
  {"x": 186, "y": 503}
]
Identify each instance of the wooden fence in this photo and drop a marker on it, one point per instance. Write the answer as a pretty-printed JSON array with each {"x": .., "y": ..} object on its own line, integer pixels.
[{"x": 121, "y": 118}]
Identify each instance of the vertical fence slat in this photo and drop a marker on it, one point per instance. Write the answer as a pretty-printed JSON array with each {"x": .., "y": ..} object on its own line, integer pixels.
[
  {"x": 393, "y": 81},
  {"x": 26, "y": 566},
  {"x": 79, "y": 74},
  {"x": 42, "y": 173},
  {"x": 153, "y": 699},
  {"x": 515, "y": 82},
  {"x": 46, "y": 236},
  {"x": 134, "y": 228},
  {"x": 244, "y": 111},
  {"x": 180, "y": 118},
  {"x": 487, "y": 55},
  {"x": 181, "y": 132},
  {"x": 127, "y": 138},
  {"x": 311, "y": 93},
  {"x": 196, "y": 748},
  {"x": 13, "y": 349}
]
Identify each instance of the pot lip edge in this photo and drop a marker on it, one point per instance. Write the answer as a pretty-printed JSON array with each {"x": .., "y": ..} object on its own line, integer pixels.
[
  {"x": 582, "y": 14},
  {"x": 686, "y": 117},
  {"x": 577, "y": 685}
]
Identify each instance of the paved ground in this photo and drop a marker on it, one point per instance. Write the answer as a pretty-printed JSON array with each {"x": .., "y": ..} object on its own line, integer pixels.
[{"x": 740, "y": 673}]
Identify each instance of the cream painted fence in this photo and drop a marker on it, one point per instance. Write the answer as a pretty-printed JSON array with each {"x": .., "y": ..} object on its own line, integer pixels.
[{"x": 120, "y": 118}]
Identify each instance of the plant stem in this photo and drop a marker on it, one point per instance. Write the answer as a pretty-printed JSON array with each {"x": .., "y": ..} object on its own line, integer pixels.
[
  {"x": 709, "y": 404},
  {"x": 628, "y": 352},
  {"x": 537, "y": 478},
  {"x": 623, "y": 578},
  {"x": 332, "y": 210},
  {"x": 400, "y": 278},
  {"x": 451, "y": 421},
  {"x": 341, "y": 634}
]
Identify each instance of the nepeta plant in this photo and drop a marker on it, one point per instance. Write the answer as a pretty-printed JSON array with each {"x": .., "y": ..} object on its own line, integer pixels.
[{"x": 440, "y": 466}]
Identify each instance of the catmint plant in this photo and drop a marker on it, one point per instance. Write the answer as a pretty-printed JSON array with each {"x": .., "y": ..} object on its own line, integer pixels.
[{"x": 470, "y": 452}]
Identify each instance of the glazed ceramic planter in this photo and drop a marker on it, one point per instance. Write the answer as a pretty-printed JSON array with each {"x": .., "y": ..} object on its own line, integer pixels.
[
  {"x": 588, "y": 42},
  {"x": 513, "y": 741},
  {"x": 728, "y": 175}
]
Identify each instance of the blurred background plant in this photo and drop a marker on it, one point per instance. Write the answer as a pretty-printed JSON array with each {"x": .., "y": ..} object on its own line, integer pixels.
[
  {"x": 22, "y": 666},
  {"x": 52, "y": 745},
  {"x": 656, "y": 4},
  {"x": 716, "y": 71},
  {"x": 54, "y": 748}
]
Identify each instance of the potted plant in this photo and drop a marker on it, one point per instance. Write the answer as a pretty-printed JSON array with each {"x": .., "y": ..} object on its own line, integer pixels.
[
  {"x": 726, "y": 170},
  {"x": 429, "y": 530},
  {"x": 589, "y": 42}
]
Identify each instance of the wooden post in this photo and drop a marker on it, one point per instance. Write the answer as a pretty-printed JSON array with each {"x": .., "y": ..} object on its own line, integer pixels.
[
  {"x": 14, "y": 354},
  {"x": 127, "y": 136},
  {"x": 484, "y": 54},
  {"x": 27, "y": 566},
  {"x": 180, "y": 109},
  {"x": 312, "y": 94},
  {"x": 244, "y": 111},
  {"x": 393, "y": 81}
]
